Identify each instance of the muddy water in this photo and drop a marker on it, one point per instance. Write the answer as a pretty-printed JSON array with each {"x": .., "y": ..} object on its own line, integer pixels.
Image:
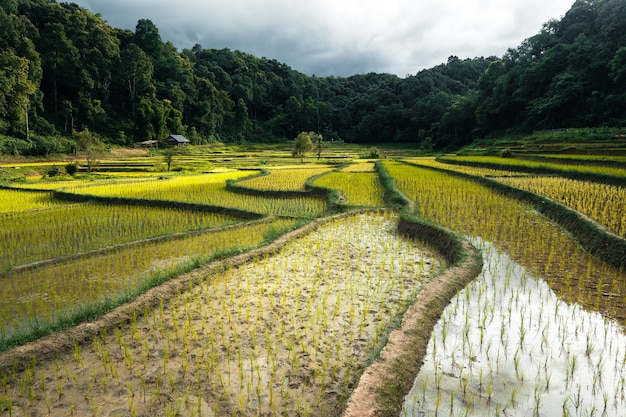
[
  {"x": 507, "y": 345},
  {"x": 285, "y": 335}
]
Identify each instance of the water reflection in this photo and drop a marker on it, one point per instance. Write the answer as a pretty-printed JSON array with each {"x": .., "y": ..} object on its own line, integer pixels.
[{"x": 507, "y": 345}]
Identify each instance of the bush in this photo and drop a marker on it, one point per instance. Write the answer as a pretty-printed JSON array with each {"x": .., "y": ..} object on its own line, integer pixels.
[
  {"x": 44, "y": 145},
  {"x": 372, "y": 153},
  {"x": 71, "y": 169},
  {"x": 506, "y": 153},
  {"x": 13, "y": 146},
  {"x": 53, "y": 171}
]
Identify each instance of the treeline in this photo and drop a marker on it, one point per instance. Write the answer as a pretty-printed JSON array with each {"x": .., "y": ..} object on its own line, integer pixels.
[{"x": 63, "y": 69}]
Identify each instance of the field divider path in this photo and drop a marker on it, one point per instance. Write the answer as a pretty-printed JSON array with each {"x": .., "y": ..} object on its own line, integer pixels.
[
  {"x": 127, "y": 245},
  {"x": 385, "y": 383},
  {"x": 48, "y": 347},
  {"x": 243, "y": 214}
]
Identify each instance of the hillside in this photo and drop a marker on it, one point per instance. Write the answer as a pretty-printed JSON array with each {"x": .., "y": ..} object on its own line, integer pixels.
[{"x": 66, "y": 70}]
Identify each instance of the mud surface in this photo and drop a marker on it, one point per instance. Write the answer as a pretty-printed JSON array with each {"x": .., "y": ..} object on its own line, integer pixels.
[{"x": 288, "y": 333}]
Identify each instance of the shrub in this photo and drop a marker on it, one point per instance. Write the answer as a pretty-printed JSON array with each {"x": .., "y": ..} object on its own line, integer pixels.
[
  {"x": 373, "y": 153},
  {"x": 13, "y": 146},
  {"x": 71, "y": 169},
  {"x": 53, "y": 171},
  {"x": 44, "y": 145},
  {"x": 506, "y": 153}
]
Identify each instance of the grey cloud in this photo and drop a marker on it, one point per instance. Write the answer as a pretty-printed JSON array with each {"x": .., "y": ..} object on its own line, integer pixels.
[{"x": 328, "y": 37}]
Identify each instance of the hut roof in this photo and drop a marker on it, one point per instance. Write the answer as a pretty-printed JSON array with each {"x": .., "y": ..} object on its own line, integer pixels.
[{"x": 177, "y": 139}]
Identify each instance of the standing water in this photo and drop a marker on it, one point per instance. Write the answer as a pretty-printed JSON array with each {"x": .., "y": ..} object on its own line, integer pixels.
[{"x": 508, "y": 346}]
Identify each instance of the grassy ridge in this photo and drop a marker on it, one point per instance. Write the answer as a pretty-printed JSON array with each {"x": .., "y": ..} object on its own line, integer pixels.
[
  {"x": 607, "y": 175},
  {"x": 409, "y": 342},
  {"x": 607, "y": 246},
  {"x": 40, "y": 303}
]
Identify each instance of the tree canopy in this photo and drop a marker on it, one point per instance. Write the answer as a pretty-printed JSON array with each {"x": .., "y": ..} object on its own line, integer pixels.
[
  {"x": 304, "y": 143},
  {"x": 63, "y": 69}
]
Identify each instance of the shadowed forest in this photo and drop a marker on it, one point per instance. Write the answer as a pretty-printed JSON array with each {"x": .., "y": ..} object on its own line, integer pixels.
[{"x": 65, "y": 69}]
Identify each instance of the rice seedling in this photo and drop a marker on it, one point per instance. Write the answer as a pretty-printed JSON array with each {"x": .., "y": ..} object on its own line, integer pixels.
[
  {"x": 466, "y": 169},
  {"x": 359, "y": 188},
  {"x": 207, "y": 189},
  {"x": 598, "y": 159},
  {"x": 521, "y": 164},
  {"x": 67, "y": 230},
  {"x": 540, "y": 245},
  {"x": 19, "y": 201},
  {"x": 359, "y": 166},
  {"x": 285, "y": 178},
  {"x": 274, "y": 359},
  {"x": 36, "y": 299},
  {"x": 604, "y": 203},
  {"x": 576, "y": 382},
  {"x": 533, "y": 323},
  {"x": 42, "y": 184}
]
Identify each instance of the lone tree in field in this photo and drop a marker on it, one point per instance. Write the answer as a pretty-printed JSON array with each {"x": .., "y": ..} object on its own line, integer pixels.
[
  {"x": 318, "y": 140},
  {"x": 303, "y": 144},
  {"x": 89, "y": 146},
  {"x": 168, "y": 156},
  {"x": 172, "y": 152}
]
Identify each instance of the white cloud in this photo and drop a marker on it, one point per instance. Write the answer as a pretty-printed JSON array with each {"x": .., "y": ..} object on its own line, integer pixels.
[{"x": 330, "y": 37}]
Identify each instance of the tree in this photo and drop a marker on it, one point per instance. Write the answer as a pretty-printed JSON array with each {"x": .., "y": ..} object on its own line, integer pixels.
[
  {"x": 303, "y": 144},
  {"x": 20, "y": 71},
  {"x": 171, "y": 152},
  {"x": 16, "y": 90},
  {"x": 136, "y": 73},
  {"x": 318, "y": 141},
  {"x": 90, "y": 146}
]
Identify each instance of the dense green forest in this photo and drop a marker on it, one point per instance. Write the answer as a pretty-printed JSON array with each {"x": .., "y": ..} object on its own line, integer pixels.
[{"x": 63, "y": 69}]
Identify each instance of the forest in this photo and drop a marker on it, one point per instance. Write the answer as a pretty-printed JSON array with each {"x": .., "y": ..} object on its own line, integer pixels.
[{"x": 64, "y": 70}]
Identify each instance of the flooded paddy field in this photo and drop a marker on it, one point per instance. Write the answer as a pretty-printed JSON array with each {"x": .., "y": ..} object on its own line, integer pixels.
[
  {"x": 287, "y": 334},
  {"x": 508, "y": 345}
]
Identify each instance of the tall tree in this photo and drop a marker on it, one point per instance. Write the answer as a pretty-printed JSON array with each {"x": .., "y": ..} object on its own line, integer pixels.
[
  {"x": 136, "y": 70},
  {"x": 20, "y": 72},
  {"x": 90, "y": 147},
  {"x": 302, "y": 145}
]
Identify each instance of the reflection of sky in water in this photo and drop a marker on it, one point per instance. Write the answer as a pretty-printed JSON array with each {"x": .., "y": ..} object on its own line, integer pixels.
[{"x": 506, "y": 345}]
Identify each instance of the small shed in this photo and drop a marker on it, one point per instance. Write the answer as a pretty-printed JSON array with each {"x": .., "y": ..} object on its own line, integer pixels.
[
  {"x": 148, "y": 144},
  {"x": 176, "y": 140}
]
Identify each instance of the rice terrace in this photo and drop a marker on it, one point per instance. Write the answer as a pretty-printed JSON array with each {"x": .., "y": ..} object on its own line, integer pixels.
[
  {"x": 246, "y": 283},
  {"x": 192, "y": 230}
]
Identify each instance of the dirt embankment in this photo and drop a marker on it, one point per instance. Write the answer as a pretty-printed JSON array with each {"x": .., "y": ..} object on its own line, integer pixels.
[
  {"x": 386, "y": 382},
  {"x": 51, "y": 346}
]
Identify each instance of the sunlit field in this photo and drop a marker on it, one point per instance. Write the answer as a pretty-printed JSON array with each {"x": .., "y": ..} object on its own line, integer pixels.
[
  {"x": 359, "y": 166},
  {"x": 206, "y": 314},
  {"x": 69, "y": 229},
  {"x": 466, "y": 169},
  {"x": 189, "y": 188},
  {"x": 18, "y": 201},
  {"x": 539, "y": 244},
  {"x": 481, "y": 382},
  {"x": 359, "y": 188},
  {"x": 284, "y": 178},
  {"x": 523, "y": 163},
  {"x": 604, "y": 203},
  {"x": 36, "y": 298},
  {"x": 208, "y": 189}
]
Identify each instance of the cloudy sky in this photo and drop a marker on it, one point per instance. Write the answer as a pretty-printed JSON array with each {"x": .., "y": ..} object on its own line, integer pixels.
[{"x": 341, "y": 37}]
